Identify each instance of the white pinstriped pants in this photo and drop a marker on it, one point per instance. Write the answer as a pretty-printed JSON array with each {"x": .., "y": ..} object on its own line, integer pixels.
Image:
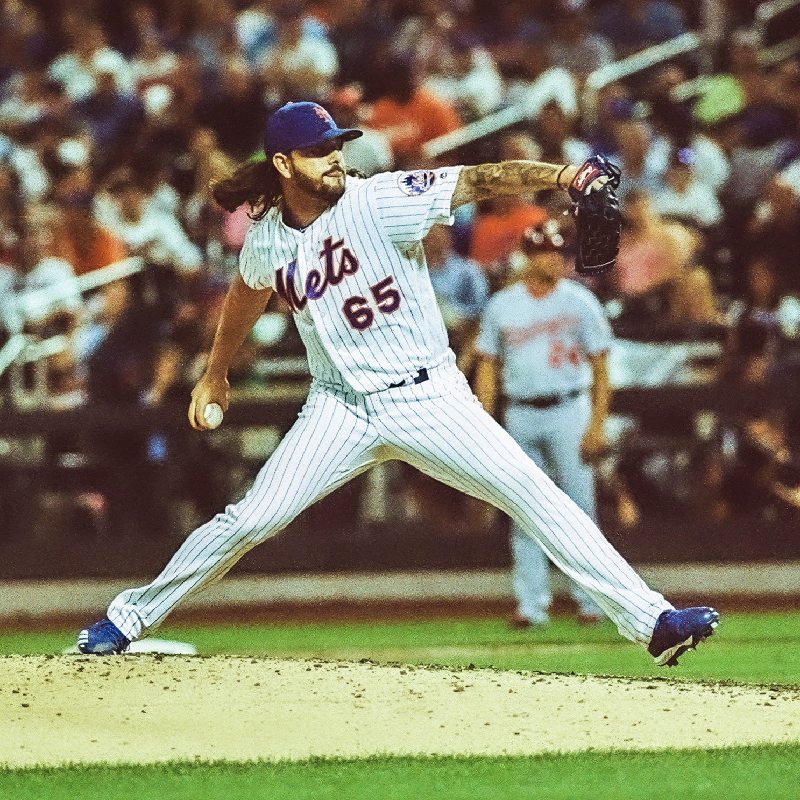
[{"x": 437, "y": 426}]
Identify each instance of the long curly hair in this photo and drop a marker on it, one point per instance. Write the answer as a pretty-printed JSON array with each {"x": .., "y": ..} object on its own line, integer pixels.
[{"x": 254, "y": 182}]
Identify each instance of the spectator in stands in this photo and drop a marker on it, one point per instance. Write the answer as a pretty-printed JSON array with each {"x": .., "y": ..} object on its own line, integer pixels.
[
  {"x": 298, "y": 63},
  {"x": 423, "y": 32},
  {"x": 257, "y": 25},
  {"x": 30, "y": 175},
  {"x": 24, "y": 40},
  {"x": 112, "y": 118},
  {"x": 131, "y": 357},
  {"x": 45, "y": 302},
  {"x": 460, "y": 287},
  {"x": 757, "y": 435},
  {"x": 371, "y": 152},
  {"x": 684, "y": 195},
  {"x": 234, "y": 110},
  {"x": 81, "y": 240},
  {"x": 152, "y": 63},
  {"x": 573, "y": 46},
  {"x": 676, "y": 128},
  {"x": 758, "y": 146},
  {"x": 691, "y": 298},
  {"x": 28, "y": 99},
  {"x": 507, "y": 27},
  {"x": 205, "y": 221},
  {"x": 774, "y": 229},
  {"x": 753, "y": 343},
  {"x": 406, "y": 113},
  {"x": 726, "y": 93},
  {"x": 647, "y": 261},
  {"x": 535, "y": 82},
  {"x": 151, "y": 232},
  {"x": 76, "y": 70},
  {"x": 500, "y": 224},
  {"x": 135, "y": 350},
  {"x": 212, "y": 38},
  {"x": 140, "y": 22},
  {"x": 464, "y": 74},
  {"x": 166, "y": 132},
  {"x": 11, "y": 210},
  {"x": 359, "y": 31},
  {"x": 785, "y": 85},
  {"x": 554, "y": 131},
  {"x": 637, "y": 148},
  {"x": 633, "y": 25},
  {"x": 38, "y": 270}
]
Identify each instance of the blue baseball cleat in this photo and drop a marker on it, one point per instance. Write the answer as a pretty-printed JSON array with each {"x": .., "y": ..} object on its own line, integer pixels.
[
  {"x": 679, "y": 630},
  {"x": 103, "y": 638}
]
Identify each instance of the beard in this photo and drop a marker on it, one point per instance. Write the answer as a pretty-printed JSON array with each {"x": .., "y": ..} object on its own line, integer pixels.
[{"x": 323, "y": 187}]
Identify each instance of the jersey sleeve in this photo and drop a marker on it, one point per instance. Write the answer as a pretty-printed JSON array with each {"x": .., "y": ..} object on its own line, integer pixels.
[
  {"x": 596, "y": 335},
  {"x": 408, "y": 204},
  {"x": 254, "y": 261},
  {"x": 488, "y": 342}
]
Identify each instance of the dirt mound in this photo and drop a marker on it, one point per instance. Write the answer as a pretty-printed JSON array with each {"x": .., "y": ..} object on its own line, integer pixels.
[{"x": 144, "y": 708}]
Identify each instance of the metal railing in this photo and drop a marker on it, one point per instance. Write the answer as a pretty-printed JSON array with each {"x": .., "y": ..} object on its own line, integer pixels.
[
  {"x": 541, "y": 93},
  {"x": 23, "y": 348},
  {"x": 638, "y": 62},
  {"x": 766, "y": 12},
  {"x": 513, "y": 115},
  {"x": 35, "y": 301},
  {"x": 768, "y": 57}
]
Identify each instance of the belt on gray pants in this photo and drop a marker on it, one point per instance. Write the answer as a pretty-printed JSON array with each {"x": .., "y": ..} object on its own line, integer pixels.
[
  {"x": 545, "y": 401},
  {"x": 420, "y": 377}
]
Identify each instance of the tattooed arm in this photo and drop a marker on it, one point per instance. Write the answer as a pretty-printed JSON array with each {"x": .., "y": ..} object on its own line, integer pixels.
[{"x": 485, "y": 181}]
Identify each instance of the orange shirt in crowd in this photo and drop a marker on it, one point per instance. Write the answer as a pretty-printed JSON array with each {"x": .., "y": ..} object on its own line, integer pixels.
[
  {"x": 409, "y": 125},
  {"x": 89, "y": 249},
  {"x": 495, "y": 235}
]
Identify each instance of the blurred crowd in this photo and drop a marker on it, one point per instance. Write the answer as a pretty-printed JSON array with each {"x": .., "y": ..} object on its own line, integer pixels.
[{"x": 115, "y": 116}]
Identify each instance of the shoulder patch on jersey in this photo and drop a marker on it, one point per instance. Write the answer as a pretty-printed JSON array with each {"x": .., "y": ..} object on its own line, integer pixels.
[{"x": 417, "y": 182}]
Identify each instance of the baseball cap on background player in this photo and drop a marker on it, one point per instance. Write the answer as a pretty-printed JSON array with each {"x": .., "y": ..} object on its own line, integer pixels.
[
  {"x": 295, "y": 126},
  {"x": 546, "y": 237}
]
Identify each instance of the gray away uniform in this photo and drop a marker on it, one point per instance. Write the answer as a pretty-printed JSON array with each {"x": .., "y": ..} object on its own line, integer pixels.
[{"x": 542, "y": 345}]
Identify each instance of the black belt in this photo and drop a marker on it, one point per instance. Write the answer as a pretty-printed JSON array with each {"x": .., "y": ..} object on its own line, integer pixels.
[
  {"x": 420, "y": 377},
  {"x": 546, "y": 401}
]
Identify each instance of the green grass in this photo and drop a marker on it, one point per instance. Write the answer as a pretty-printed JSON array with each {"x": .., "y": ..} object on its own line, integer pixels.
[
  {"x": 749, "y": 648},
  {"x": 741, "y": 773}
]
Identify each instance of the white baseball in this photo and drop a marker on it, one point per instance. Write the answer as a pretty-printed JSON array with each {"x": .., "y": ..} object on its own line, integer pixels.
[{"x": 212, "y": 415}]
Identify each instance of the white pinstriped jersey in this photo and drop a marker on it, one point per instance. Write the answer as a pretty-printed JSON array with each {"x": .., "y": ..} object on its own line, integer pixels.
[{"x": 356, "y": 278}]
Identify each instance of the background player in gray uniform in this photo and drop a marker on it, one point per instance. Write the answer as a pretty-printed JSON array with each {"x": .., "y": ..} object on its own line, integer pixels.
[
  {"x": 346, "y": 255},
  {"x": 542, "y": 352}
]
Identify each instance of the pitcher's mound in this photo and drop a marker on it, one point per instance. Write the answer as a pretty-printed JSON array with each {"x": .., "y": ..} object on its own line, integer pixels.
[{"x": 145, "y": 708}]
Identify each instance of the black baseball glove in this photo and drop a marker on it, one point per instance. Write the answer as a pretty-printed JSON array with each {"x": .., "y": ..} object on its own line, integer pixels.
[{"x": 597, "y": 214}]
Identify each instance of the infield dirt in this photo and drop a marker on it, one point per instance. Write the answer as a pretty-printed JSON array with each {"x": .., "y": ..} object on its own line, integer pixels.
[{"x": 144, "y": 709}]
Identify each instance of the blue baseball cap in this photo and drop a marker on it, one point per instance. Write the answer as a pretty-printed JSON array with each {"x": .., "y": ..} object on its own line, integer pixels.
[{"x": 295, "y": 126}]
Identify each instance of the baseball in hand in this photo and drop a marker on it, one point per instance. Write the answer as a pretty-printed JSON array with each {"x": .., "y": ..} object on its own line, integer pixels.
[{"x": 212, "y": 414}]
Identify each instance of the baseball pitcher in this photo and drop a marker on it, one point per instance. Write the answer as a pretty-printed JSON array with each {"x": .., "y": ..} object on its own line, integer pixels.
[{"x": 346, "y": 254}]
